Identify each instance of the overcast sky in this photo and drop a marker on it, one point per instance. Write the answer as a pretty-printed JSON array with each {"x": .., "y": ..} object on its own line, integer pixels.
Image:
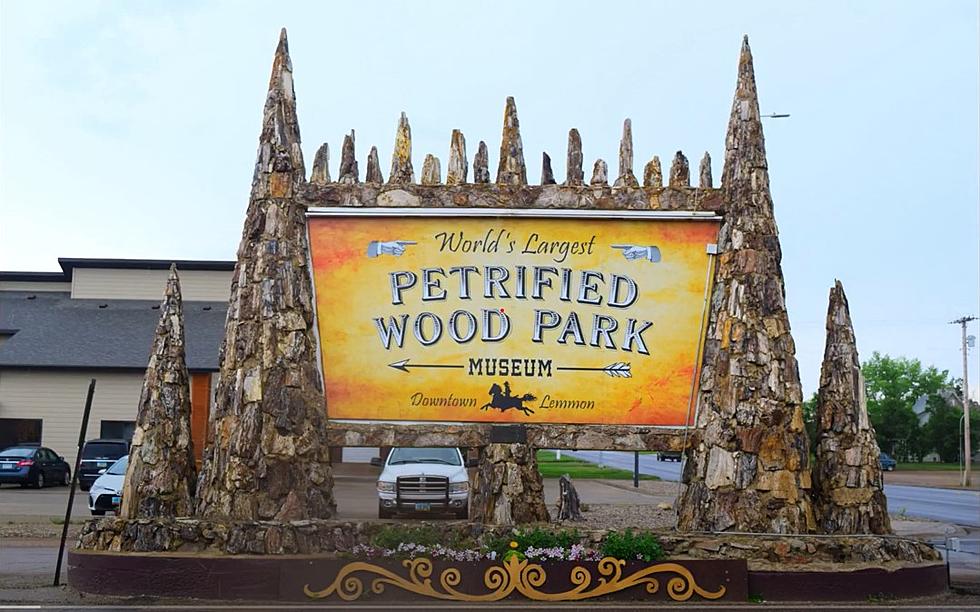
[{"x": 128, "y": 129}]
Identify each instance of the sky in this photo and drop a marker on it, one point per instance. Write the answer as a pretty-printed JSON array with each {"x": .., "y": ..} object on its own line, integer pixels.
[{"x": 129, "y": 129}]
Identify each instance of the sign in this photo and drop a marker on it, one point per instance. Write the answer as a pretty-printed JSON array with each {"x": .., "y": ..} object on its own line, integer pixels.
[{"x": 510, "y": 315}]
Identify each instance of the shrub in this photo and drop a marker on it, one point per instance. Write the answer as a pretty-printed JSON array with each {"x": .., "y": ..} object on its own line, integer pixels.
[
  {"x": 627, "y": 545},
  {"x": 390, "y": 536},
  {"x": 536, "y": 538}
]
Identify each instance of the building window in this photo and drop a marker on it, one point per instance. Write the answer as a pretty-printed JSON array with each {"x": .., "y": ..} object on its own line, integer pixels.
[
  {"x": 121, "y": 430},
  {"x": 19, "y": 431}
]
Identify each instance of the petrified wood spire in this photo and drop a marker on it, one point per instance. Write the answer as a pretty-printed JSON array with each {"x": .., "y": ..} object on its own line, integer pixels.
[
  {"x": 510, "y": 169},
  {"x": 705, "y": 181},
  {"x": 348, "y": 162},
  {"x": 574, "y": 175},
  {"x": 680, "y": 171},
  {"x": 749, "y": 471},
  {"x": 626, "y": 177},
  {"x": 600, "y": 173},
  {"x": 458, "y": 166},
  {"x": 508, "y": 489},
  {"x": 373, "y": 174},
  {"x": 401, "y": 157},
  {"x": 268, "y": 458},
  {"x": 481, "y": 164},
  {"x": 547, "y": 175},
  {"x": 847, "y": 485},
  {"x": 161, "y": 476},
  {"x": 321, "y": 166},
  {"x": 653, "y": 176},
  {"x": 431, "y": 172}
]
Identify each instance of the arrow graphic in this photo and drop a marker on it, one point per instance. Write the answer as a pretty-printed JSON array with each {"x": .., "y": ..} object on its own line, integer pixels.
[
  {"x": 620, "y": 369},
  {"x": 403, "y": 365}
]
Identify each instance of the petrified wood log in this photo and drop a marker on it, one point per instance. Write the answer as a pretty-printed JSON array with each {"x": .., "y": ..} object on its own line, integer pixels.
[
  {"x": 569, "y": 507},
  {"x": 508, "y": 488}
]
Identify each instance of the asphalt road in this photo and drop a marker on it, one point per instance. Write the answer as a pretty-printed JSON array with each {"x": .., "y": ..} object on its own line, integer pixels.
[{"x": 946, "y": 505}]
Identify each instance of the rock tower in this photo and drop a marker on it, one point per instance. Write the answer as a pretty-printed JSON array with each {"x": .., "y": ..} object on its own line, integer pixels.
[
  {"x": 160, "y": 479},
  {"x": 848, "y": 495},
  {"x": 749, "y": 470},
  {"x": 269, "y": 458}
]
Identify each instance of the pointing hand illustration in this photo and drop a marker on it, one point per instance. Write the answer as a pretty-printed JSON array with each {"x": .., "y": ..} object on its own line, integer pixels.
[
  {"x": 393, "y": 247},
  {"x": 631, "y": 252}
]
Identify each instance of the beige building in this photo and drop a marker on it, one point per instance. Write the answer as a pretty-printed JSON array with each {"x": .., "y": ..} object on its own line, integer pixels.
[{"x": 95, "y": 319}]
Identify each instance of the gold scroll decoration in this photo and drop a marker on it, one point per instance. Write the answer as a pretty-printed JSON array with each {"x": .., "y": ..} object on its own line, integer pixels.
[{"x": 514, "y": 574}]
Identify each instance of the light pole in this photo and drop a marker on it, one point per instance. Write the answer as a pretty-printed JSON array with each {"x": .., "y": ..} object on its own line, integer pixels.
[{"x": 966, "y": 342}]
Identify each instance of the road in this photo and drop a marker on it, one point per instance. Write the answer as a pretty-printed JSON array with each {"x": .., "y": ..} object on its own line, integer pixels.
[{"x": 946, "y": 505}]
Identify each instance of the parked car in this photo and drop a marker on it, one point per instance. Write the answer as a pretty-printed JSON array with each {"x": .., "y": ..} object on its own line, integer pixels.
[
  {"x": 106, "y": 491},
  {"x": 423, "y": 480},
  {"x": 98, "y": 455},
  {"x": 887, "y": 463},
  {"x": 669, "y": 456},
  {"x": 34, "y": 466}
]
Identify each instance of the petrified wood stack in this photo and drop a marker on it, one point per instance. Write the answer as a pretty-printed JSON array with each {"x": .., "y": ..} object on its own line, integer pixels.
[
  {"x": 848, "y": 495},
  {"x": 269, "y": 458},
  {"x": 161, "y": 477},
  {"x": 749, "y": 471},
  {"x": 508, "y": 488}
]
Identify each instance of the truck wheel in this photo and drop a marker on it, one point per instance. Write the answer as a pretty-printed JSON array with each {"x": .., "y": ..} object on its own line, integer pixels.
[
  {"x": 383, "y": 513},
  {"x": 98, "y": 512},
  {"x": 39, "y": 480}
]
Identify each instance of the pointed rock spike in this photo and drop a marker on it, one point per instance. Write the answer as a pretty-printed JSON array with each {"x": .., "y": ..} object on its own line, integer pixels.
[
  {"x": 745, "y": 146},
  {"x": 458, "y": 167},
  {"x": 510, "y": 169},
  {"x": 653, "y": 175},
  {"x": 431, "y": 172},
  {"x": 600, "y": 173},
  {"x": 481, "y": 164},
  {"x": 680, "y": 172},
  {"x": 626, "y": 177},
  {"x": 547, "y": 176},
  {"x": 348, "y": 172},
  {"x": 401, "y": 158},
  {"x": 574, "y": 173},
  {"x": 705, "y": 181},
  {"x": 321, "y": 166},
  {"x": 279, "y": 164},
  {"x": 373, "y": 174}
]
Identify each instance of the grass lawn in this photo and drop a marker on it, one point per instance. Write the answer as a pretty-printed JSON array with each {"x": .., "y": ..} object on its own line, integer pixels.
[
  {"x": 550, "y": 467},
  {"x": 929, "y": 467}
]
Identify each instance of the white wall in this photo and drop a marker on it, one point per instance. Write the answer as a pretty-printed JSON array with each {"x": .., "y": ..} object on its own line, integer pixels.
[
  {"x": 195, "y": 285},
  {"x": 30, "y": 286},
  {"x": 58, "y": 398}
]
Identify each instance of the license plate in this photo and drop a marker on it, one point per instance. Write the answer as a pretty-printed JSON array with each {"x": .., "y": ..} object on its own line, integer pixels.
[
  {"x": 6, "y": 466},
  {"x": 101, "y": 464},
  {"x": 423, "y": 507},
  {"x": 115, "y": 500}
]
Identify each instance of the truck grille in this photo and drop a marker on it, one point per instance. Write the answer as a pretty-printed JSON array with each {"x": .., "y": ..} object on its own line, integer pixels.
[{"x": 422, "y": 486}]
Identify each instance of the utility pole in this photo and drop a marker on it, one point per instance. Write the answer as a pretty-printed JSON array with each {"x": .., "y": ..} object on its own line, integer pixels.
[{"x": 962, "y": 321}]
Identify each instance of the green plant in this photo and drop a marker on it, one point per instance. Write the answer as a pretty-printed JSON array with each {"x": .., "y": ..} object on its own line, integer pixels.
[
  {"x": 627, "y": 545},
  {"x": 534, "y": 538},
  {"x": 756, "y": 598},
  {"x": 390, "y": 536}
]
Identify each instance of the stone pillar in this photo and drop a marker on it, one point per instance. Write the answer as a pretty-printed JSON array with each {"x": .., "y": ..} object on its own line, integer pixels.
[
  {"x": 848, "y": 496},
  {"x": 160, "y": 479},
  {"x": 508, "y": 489},
  {"x": 749, "y": 470},
  {"x": 269, "y": 458}
]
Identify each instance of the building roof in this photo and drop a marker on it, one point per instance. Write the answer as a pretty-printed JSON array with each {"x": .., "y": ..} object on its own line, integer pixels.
[
  {"x": 68, "y": 264},
  {"x": 54, "y": 331}
]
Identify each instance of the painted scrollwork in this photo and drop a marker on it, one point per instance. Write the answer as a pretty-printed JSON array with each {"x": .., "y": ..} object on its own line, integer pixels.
[{"x": 514, "y": 574}]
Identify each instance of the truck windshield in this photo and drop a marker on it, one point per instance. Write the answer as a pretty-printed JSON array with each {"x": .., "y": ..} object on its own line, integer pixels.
[{"x": 446, "y": 456}]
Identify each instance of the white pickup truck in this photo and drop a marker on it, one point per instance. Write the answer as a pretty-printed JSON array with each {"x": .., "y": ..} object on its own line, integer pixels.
[{"x": 423, "y": 481}]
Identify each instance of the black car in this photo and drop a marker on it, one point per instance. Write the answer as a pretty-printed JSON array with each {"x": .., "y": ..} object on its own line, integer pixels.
[
  {"x": 669, "y": 456},
  {"x": 97, "y": 455},
  {"x": 34, "y": 466}
]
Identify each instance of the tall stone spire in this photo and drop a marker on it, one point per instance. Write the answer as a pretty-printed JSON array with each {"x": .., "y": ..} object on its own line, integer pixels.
[
  {"x": 401, "y": 157},
  {"x": 161, "y": 477},
  {"x": 458, "y": 167},
  {"x": 510, "y": 169},
  {"x": 373, "y": 174},
  {"x": 750, "y": 468},
  {"x": 680, "y": 172},
  {"x": 848, "y": 491},
  {"x": 431, "y": 170},
  {"x": 653, "y": 175},
  {"x": 348, "y": 172},
  {"x": 268, "y": 458},
  {"x": 704, "y": 173},
  {"x": 279, "y": 162},
  {"x": 481, "y": 164},
  {"x": 547, "y": 174},
  {"x": 574, "y": 174},
  {"x": 321, "y": 166},
  {"x": 626, "y": 177}
]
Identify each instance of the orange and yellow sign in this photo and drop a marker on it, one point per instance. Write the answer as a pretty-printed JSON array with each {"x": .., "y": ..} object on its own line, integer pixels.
[{"x": 587, "y": 317}]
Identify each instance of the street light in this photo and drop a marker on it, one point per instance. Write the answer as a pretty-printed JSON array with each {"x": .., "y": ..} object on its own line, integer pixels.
[{"x": 776, "y": 116}]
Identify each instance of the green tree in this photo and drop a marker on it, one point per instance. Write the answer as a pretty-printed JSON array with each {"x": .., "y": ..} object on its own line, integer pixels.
[
  {"x": 893, "y": 385},
  {"x": 942, "y": 433},
  {"x": 810, "y": 420}
]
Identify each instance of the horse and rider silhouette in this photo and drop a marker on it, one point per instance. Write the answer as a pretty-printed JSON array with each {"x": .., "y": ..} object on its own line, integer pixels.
[{"x": 502, "y": 400}]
